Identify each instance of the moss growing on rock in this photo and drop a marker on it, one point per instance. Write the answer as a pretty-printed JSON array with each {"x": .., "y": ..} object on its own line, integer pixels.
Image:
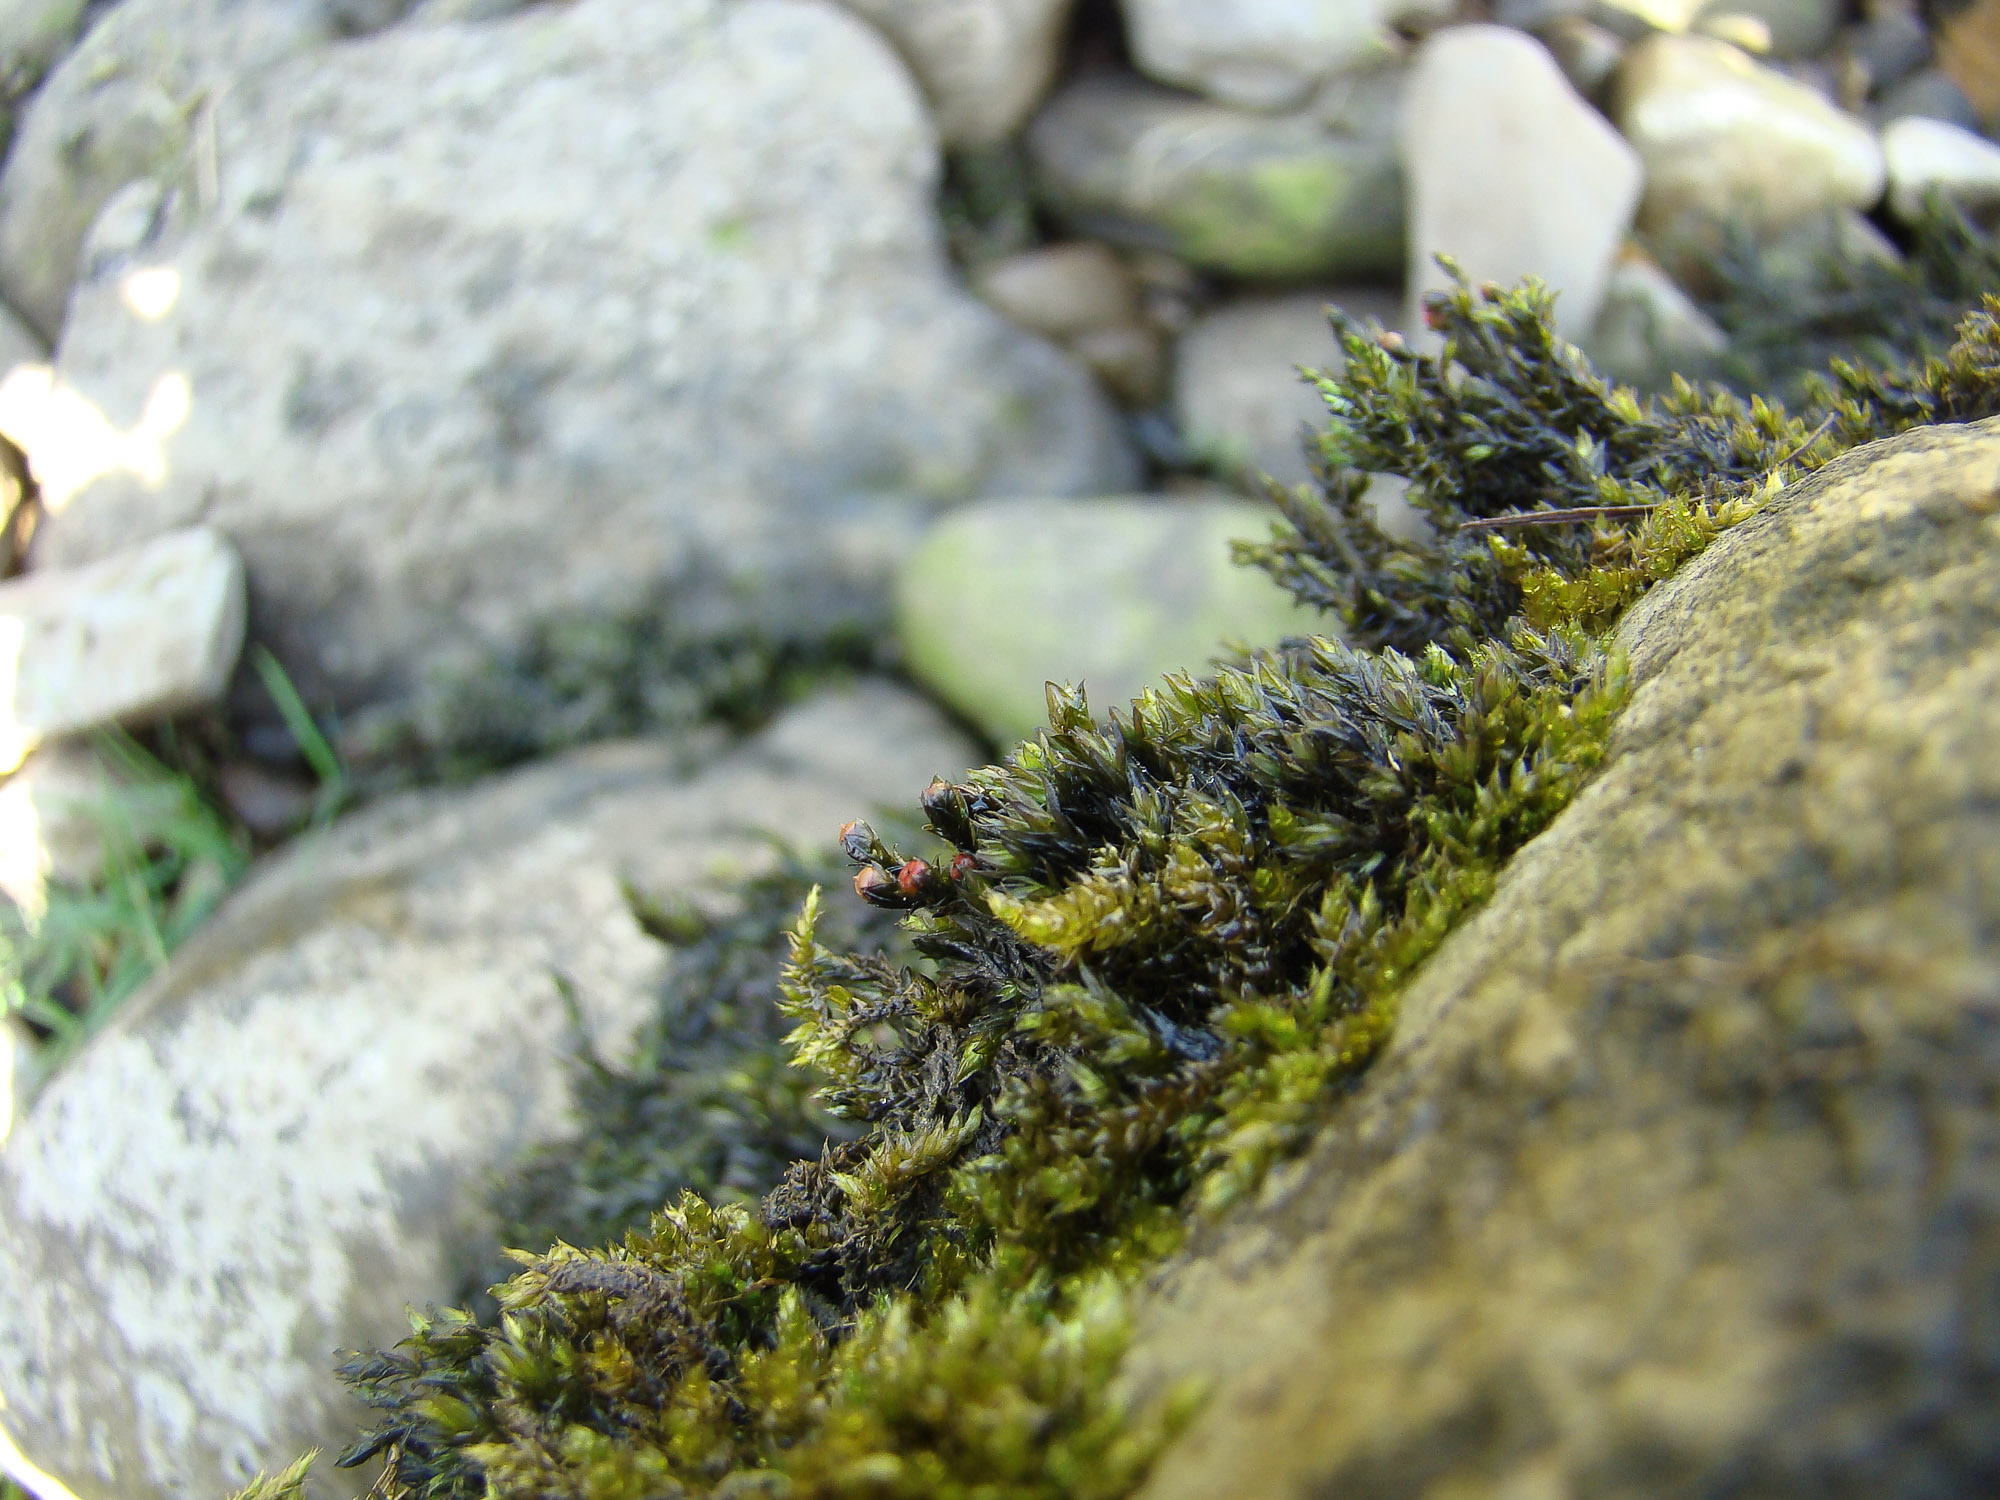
[{"x": 1154, "y": 952}]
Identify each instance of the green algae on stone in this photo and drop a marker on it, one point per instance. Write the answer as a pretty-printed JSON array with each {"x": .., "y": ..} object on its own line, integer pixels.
[{"x": 1163, "y": 943}]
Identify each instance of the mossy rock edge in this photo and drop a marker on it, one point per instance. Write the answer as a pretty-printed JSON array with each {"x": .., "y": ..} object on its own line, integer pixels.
[{"x": 1682, "y": 1175}]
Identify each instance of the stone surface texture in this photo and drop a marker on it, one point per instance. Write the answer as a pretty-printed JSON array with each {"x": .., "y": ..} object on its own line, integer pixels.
[
  {"x": 1238, "y": 394},
  {"x": 19, "y": 343},
  {"x": 1931, "y": 156},
  {"x": 287, "y": 1135},
  {"x": 1261, "y": 54},
  {"x": 984, "y": 64},
  {"x": 609, "y": 301},
  {"x": 1510, "y": 172},
  {"x": 1008, "y": 596},
  {"x": 1649, "y": 330},
  {"x": 1724, "y": 138},
  {"x": 139, "y": 635},
  {"x": 128, "y": 103},
  {"x": 55, "y": 812},
  {"x": 34, "y": 34},
  {"x": 1259, "y": 196},
  {"x": 1682, "y": 1173}
]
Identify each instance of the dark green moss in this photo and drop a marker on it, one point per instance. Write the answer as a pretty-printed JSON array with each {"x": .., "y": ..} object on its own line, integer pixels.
[
  {"x": 591, "y": 676},
  {"x": 1162, "y": 945}
]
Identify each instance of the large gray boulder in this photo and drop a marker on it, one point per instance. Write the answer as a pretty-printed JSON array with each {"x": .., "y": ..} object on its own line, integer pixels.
[
  {"x": 288, "y": 1135},
  {"x": 580, "y": 309},
  {"x": 1682, "y": 1174},
  {"x": 128, "y": 103}
]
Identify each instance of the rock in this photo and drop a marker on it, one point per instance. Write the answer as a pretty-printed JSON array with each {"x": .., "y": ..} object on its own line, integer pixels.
[
  {"x": 1265, "y": 197},
  {"x": 138, "y": 635},
  {"x": 1262, "y": 54},
  {"x": 1082, "y": 296},
  {"x": 1587, "y": 53},
  {"x": 1795, "y": 28},
  {"x": 1060, "y": 291},
  {"x": 126, "y": 104},
  {"x": 1890, "y": 45},
  {"x": 984, "y": 64},
  {"x": 1008, "y": 596},
  {"x": 19, "y": 344},
  {"x": 1929, "y": 95},
  {"x": 613, "y": 302},
  {"x": 1238, "y": 394},
  {"x": 1511, "y": 173},
  {"x": 59, "y": 809},
  {"x": 1967, "y": 38},
  {"x": 1723, "y": 139},
  {"x": 34, "y": 34},
  {"x": 1930, "y": 156},
  {"x": 1681, "y": 1175},
  {"x": 288, "y": 1134},
  {"x": 1649, "y": 330}
]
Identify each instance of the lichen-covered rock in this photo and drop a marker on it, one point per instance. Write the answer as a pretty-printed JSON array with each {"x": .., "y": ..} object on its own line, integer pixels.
[
  {"x": 1511, "y": 173},
  {"x": 1682, "y": 1174},
  {"x": 1108, "y": 595},
  {"x": 1260, "y": 54},
  {"x": 610, "y": 302},
  {"x": 288, "y": 1135},
  {"x": 984, "y": 64},
  {"x": 1724, "y": 138},
  {"x": 1260, "y": 196}
]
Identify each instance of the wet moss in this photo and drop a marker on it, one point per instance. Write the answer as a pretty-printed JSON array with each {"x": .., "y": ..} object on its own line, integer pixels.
[{"x": 1152, "y": 952}]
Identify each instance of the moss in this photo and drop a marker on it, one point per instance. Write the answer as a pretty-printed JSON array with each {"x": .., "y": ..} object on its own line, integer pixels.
[
  {"x": 1153, "y": 952},
  {"x": 587, "y": 676}
]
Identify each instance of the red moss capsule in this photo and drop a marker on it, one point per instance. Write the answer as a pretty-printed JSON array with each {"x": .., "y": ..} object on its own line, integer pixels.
[
  {"x": 857, "y": 841},
  {"x": 913, "y": 878},
  {"x": 874, "y": 887},
  {"x": 963, "y": 865}
]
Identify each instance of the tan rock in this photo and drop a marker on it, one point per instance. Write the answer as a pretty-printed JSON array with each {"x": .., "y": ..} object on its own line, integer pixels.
[
  {"x": 1509, "y": 171},
  {"x": 1967, "y": 38},
  {"x": 1682, "y": 1164},
  {"x": 1061, "y": 290},
  {"x": 142, "y": 634},
  {"x": 288, "y": 1134},
  {"x": 1725, "y": 139}
]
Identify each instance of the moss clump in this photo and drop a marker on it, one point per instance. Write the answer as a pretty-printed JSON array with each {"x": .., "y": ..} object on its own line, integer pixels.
[
  {"x": 1152, "y": 953},
  {"x": 590, "y": 676}
]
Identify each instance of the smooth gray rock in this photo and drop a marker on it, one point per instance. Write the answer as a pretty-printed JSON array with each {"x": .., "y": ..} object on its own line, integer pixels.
[
  {"x": 1649, "y": 330},
  {"x": 1932, "y": 156},
  {"x": 984, "y": 64},
  {"x": 1084, "y": 297},
  {"x": 138, "y": 635},
  {"x": 1110, "y": 595},
  {"x": 1511, "y": 173},
  {"x": 287, "y": 1135},
  {"x": 610, "y": 303},
  {"x": 1258, "y": 196},
  {"x": 1725, "y": 139},
  {"x": 34, "y": 34},
  {"x": 1681, "y": 1175},
  {"x": 1263, "y": 54},
  {"x": 1931, "y": 95},
  {"x": 1238, "y": 394}
]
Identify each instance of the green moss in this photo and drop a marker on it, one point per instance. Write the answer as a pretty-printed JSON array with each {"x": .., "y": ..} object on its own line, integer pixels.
[{"x": 1158, "y": 948}]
